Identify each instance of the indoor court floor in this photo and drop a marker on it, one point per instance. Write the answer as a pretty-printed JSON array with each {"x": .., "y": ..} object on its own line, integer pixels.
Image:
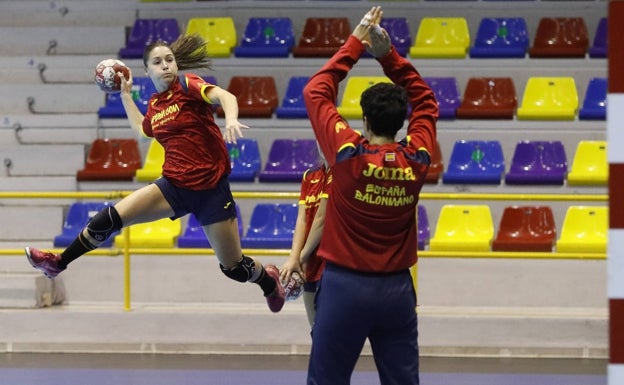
[{"x": 185, "y": 369}]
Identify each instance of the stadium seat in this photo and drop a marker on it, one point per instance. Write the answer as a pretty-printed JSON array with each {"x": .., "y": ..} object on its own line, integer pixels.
[
  {"x": 526, "y": 228},
  {"x": 501, "y": 38},
  {"x": 599, "y": 47},
  {"x": 488, "y": 98},
  {"x": 441, "y": 37},
  {"x": 463, "y": 228},
  {"x": 447, "y": 94},
  {"x": 595, "y": 102},
  {"x": 475, "y": 162},
  {"x": 152, "y": 167},
  {"x": 349, "y": 106},
  {"x": 257, "y": 96},
  {"x": 560, "y": 37},
  {"x": 271, "y": 226},
  {"x": 400, "y": 34},
  {"x": 322, "y": 36},
  {"x": 437, "y": 165},
  {"x": 194, "y": 236},
  {"x": 549, "y": 98},
  {"x": 218, "y": 32},
  {"x": 78, "y": 216},
  {"x": 293, "y": 106},
  {"x": 538, "y": 162},
  {"x": 245, "y": 160},
  {"x": 147, "y": 31},
  {"x": 267, "y": 37},
  {"x": 424, "y": 231},
  {"x": 589, "y": 166},
  {"x": 142, "y": 90},
  {"x": 162, "y": 233},
  {"x": 584, "y": 230},
  {"x": 288, "y": 159},
  {"x": 111, "y": 159}
]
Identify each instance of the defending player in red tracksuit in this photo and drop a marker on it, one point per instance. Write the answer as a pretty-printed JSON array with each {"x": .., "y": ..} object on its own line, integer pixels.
[{"x": 369, "y": 240}]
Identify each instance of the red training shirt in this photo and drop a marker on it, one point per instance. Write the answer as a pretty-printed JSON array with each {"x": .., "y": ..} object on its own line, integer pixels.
[
  {"x": 314, "y": 187},
  {"x": 181, "y": 120},
  {"x": 370, "y": 224}
]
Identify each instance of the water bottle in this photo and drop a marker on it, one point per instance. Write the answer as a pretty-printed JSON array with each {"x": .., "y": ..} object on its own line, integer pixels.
[{"x": 294, "y": 287}]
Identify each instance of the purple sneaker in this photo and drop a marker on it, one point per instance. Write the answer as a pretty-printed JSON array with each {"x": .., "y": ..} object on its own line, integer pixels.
[
  {"x": 44, "y": 261},
  {"x": 275, "y": 300}
]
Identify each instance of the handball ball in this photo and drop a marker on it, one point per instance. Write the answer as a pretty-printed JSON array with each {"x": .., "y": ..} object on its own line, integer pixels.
[{"x": 106, "y": 76}]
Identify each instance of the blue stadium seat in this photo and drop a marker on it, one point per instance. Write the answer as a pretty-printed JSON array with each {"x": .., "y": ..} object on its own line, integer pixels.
[
  {"x": 538, "y": 162},
  {"x": 475, "y": 162},
  {"x": 142, "y": 90},
  {"x": 293, "y": 105},
  {"x": 598, "y": 48},
  {"x": 267, "y": 37},
  {"x": 595, "y": 102},
  {"x": 194, "y": 236},
  {"x": 400, "y": 34},
  {"x": 447, "y": 93},
  {"x": 77, "y": 218},
  {"x": 245, "y": 160},
  {"x": 288, "y": 159},
  {"x": 501, "y": 38},
  {"x": 147, "y": 31},
  {"x": 271, "y": 226}
]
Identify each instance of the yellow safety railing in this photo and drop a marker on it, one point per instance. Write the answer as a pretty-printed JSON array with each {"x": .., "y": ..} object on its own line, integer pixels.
[{"x": 126, "y": 251}]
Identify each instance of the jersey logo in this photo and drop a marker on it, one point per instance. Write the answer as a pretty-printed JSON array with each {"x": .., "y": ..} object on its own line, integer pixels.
[
  {"x": 227, "y": 205},
  {"x": 389, "y": 156},
  {"x": 316, "y": 180},
  {"x": 340, "y": 126},
  {"x": 169, "y": 95}
]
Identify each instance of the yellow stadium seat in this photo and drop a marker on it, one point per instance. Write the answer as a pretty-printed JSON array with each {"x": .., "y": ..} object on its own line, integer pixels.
[
  {"x": 584, "y": 230},
  {"x": 349, "y": 106},
  {"x": 162, "y": 233},
  {"x": 463, "y": 228},
  {"x": 441, "y": 37},
  {"x": 590, "y": 165},
  {"x": 549, "y": 98},
  {"x": 219, "y": 33},
  {"x": 152, "y": 166}
]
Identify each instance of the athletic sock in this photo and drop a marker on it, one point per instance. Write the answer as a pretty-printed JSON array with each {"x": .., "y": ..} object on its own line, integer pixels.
[
  {"x": 266, "y": 283},
  {"x": 78, "y": 247}
]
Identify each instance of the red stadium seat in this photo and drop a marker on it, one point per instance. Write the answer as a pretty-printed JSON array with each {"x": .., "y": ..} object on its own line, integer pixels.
[
  {"x": 257, "y": 96},
  {"x": 111, "y": 159},
  {"x": 526, "y": 228}
]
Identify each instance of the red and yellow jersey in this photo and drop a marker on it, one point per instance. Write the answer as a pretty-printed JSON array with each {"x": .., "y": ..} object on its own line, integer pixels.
[
  {"x": 181, "y": 120},
  {"x": 314, "y": 187},
  {"x": 370, "y": 223}
]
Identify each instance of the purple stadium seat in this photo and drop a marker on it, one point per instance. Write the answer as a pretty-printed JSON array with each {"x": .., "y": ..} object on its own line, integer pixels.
[
  {"x": 288, "y": 159},
  {"x": 146, "y": 31},
  {"x": 599, "y": 46},
  {"x": 538, "y": 162},
  {"x": 424, "y": 231},
  {"x": 194, "y": 236},
  {"x": 446, "y": 91}
]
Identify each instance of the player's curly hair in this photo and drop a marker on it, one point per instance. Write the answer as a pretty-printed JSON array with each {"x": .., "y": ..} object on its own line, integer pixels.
[
  {"x": 189, "y": 51},
  {"x": 385, "y": 107}
]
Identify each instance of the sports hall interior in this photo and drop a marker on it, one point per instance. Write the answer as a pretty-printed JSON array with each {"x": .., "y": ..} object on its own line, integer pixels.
[{"x": 512, "y": 221}]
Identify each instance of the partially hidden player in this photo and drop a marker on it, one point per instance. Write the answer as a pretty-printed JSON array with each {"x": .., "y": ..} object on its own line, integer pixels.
[
  {"x": 369, "y": 239},
  {"x": 180, "y": 116}
]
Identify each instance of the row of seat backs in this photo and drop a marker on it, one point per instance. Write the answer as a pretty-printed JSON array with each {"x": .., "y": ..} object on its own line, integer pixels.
[
  {"x": 271, "y": 225},
  {"x": 471, "y": 162},
  {"x": 544, "y": 98},
  {"x": 437, "y": 37},
  {"x": 521, "y": 228},
  {"x": 459, "y": 228}
]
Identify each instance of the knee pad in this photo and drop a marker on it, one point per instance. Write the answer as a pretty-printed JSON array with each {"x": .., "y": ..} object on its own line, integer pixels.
[
  {"x": 104, "y": 223},
  {"x": 242, "y": 272}
]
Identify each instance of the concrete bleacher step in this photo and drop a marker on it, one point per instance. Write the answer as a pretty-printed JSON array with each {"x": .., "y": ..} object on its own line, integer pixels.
[{"x": 245, "y": 328}]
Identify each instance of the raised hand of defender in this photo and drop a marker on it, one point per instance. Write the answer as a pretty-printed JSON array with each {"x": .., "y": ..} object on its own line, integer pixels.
[
  {"x": 380, "y": 43},
  {"x": 371, "y": 18}
]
